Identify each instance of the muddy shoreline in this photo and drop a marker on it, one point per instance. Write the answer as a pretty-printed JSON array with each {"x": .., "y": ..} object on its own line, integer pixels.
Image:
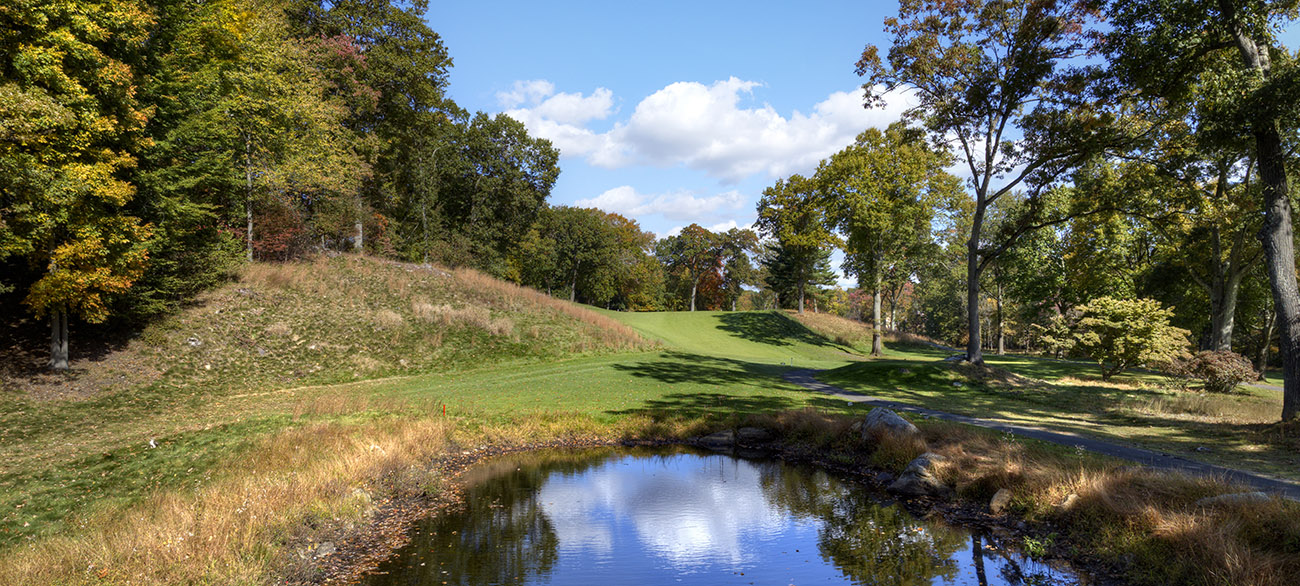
[{"x": 362, "y": 548}]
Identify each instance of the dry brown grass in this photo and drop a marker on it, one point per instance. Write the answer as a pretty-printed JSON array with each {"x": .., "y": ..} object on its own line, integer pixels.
[
  {"x": 833, "y": 327},
  {"x": 1207, "y": 408},
  {"x": 226, "y": 532},
  {"x": 387, "y": 319},
  {"x": 605, "y": 330}
]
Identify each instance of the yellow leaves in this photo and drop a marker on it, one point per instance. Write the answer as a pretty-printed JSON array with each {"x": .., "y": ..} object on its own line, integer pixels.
[{"x": 99, "y": 260}]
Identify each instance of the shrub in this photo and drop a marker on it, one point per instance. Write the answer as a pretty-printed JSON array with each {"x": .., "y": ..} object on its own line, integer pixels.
[
  {"x": 1120, "y": 333},
  {"x": 1221, "y": 370}
]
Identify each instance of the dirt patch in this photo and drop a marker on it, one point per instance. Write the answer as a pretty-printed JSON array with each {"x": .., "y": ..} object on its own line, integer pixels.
[{"x": 102, "y": 361}]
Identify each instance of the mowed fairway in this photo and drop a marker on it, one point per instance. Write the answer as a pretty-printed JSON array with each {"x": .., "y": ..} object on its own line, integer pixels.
[{"x": 761, "y": 337}]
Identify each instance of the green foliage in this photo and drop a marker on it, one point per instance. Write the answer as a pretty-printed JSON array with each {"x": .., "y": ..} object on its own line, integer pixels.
[
  {"x": 1221, "y": 370},
  {"x": 70, "y": 125},
  {"x": 1120, "y": 334}
]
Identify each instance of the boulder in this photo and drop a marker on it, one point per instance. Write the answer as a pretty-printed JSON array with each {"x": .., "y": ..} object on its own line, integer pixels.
[
  {"x": 753, "y": 435},
  {"x": 1001, "y": 499},
  {"x": 918, "y": 478},
  {"x": 882, "y": 422},
  {"x": 1238, "y": 498},
  {"x": 721, "y": 439},
  {"x": 1068, "y": 503}
]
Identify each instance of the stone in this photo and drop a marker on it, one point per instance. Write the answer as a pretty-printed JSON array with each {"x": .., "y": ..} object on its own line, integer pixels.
[
  {"x": 881, "y": 422},
  {"x": 1069, "y": 502},
  {"x": 325, "y": 549},
  {"x": 1001, "y": 499},
  {"x": 719, "y": 439},
  {"x": 1237, "y": 498},
  {"x": 753, "y": 435},
  {"x": 918, "y": 478}
]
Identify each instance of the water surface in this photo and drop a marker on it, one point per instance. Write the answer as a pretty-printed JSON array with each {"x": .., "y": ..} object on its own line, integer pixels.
[{"x": 616, "y": 516}]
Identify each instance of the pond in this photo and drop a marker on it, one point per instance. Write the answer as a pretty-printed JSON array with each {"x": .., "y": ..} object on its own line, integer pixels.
[{"x": 614, "y": 516}]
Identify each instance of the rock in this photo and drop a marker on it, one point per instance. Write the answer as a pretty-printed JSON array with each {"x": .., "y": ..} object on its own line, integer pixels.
[
  {"x": 918, "y": 478},
  {"x": 957, "y": 384},
  {"x": 195, "y": 342},
  {"x": 1069, "y": 502},
  {"x": 904, "y": 371},
  {"x": 725, "y": 438},
  {"x": 753, "y": 435},
  {"x": 881, "y": 422},
  {"x": 999, "y": 502},
  {"x": 1238, "y": 498},
  {"x": 885, "y": 477},
  {"x": 325, "y": 549}
]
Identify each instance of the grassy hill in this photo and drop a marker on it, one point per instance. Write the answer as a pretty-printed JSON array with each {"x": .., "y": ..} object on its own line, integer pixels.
[{"x": 764, "y": 337}]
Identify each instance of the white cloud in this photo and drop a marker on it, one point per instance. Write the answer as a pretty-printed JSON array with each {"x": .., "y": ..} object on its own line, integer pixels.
[
  {"x": 699, "y": 126},
  {"x": 679, "y": 205}
]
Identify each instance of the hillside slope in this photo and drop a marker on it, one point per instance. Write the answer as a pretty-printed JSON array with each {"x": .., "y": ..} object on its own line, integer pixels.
[{"x": 328, "y": 320}]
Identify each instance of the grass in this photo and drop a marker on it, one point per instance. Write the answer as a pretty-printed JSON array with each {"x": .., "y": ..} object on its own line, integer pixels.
[{"x": 233, "y": 474}]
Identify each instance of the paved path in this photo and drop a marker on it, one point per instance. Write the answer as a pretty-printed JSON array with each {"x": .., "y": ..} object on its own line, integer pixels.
[{"x": 806, "y": 378}]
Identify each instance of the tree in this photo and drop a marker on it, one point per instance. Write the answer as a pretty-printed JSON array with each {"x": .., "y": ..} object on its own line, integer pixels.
[
  {"x": 792, "y": 212},
  {"x": 1187, "y": 38},
  {"x": 882, "y": 192},
  {"x": 737, "y": 270},
  {"x": 1120, "y": 333},
  {"x": 694, "y": 252},
  {"x": 70, "y": 125},
  {"x": 790, "y": 275},
  {"x": 980, "y": 71}
]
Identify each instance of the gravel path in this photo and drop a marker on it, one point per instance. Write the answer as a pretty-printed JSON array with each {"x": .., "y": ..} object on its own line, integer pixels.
[{"x": 806, "y": 378}]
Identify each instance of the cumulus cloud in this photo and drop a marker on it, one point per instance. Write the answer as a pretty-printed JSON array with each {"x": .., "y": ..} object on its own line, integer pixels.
[
  {"x": 700, "y": 126},
  {"x": 678, "y": 205}
]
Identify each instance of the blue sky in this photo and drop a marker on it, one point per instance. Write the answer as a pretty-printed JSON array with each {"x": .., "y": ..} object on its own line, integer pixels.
[{"x": 668, "y": 112}]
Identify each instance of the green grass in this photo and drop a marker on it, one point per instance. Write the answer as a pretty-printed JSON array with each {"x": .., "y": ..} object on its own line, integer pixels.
[{"x": 766, "y": 337}]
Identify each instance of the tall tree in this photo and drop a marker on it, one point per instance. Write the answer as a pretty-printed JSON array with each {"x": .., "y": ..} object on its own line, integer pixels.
[
  {"x": 982, "y": 71},
  {"x": 792, "y": 212},
  {"x": 882, "y": 192},
  {"x": 70, "y": 123},
  {"x": 693, "y": 253},
  {"x": 1186, "y": 38},
  {"x": 737, "y": 269}
]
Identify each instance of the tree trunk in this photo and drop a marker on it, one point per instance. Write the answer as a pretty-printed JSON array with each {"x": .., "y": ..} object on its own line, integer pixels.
[
  {"x": 1279, "y": 250},
  {"x": 1223, "y": 310},
  {"x": 974, "y": 354},
  {"x": 573, "y": 288},
  {"x": 1270, "y": 319},
  {"x": 877, "y": 340},
  {"x": 977, "y": 555},
  {"x": 1276, "y": 233},
  {"x": 359, "y": 242},
  {"x": 801, "y": 297},
  {"x": 59, "y": 339},
  {"x": 694, "y": 285},
  {"x": 1002, "y": 338},
  {"x": 248, "y": 193}
]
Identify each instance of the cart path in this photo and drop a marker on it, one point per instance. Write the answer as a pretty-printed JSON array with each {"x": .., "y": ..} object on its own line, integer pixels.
[{"x": 807, "y": 378}]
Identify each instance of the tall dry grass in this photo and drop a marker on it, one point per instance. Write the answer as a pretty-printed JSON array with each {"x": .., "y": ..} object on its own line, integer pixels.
[
  {"x": 234, "y": 529},
  {"x": 606, "y": 331}
]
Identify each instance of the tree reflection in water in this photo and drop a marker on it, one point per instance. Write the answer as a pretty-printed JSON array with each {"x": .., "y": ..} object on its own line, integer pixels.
[{"x": 507, "y": 535}]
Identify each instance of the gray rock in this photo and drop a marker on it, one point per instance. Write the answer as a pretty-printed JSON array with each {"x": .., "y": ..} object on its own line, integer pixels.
[
  {"x": 324, "y": 549},
  {"x": 918, "y": 478},
  {"x": 1238, "y": 498},
  {"x": 719, "y": 439},
  {"x": 1001, "y": 499},
  {"x": 885, "y": 422},
  {"x": 753, "y": 435}
]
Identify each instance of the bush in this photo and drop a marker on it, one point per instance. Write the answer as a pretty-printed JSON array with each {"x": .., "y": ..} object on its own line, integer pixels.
[
  {"x": 1221, "y": 370},
  {"x": 1120, "y": 333}
]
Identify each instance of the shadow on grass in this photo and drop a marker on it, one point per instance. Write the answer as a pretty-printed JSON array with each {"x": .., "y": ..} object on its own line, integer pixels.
[
  {"x": 684, "y": 367},
  {"x": 710, "y": 405},
  {"x": 769, "y": 328}
]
